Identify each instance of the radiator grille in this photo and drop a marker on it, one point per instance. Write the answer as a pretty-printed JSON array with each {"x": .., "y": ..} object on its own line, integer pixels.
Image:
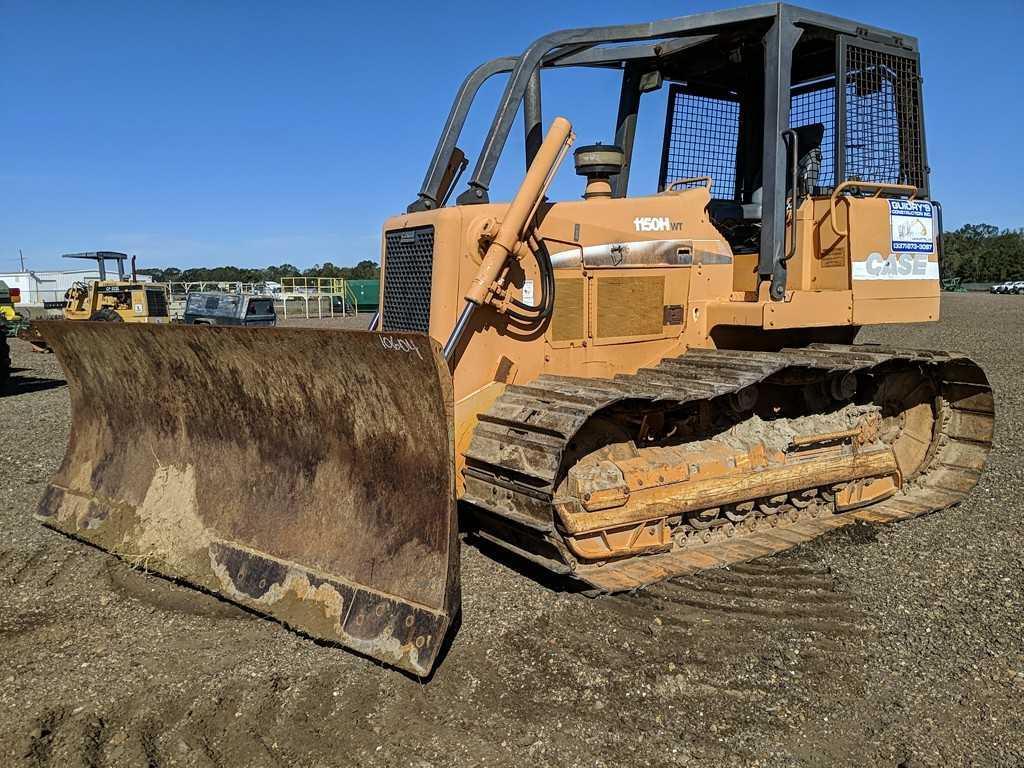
[
  {"x": 408, "y": 265},
  {"x": 157, "y": 302}
]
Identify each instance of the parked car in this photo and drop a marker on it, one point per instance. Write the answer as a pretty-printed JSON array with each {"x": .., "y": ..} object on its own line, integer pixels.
[
  {"x": 1006, "y": 287},
  {"x": 1018, "y": 287},
  {"x": 208, "y": 308}
]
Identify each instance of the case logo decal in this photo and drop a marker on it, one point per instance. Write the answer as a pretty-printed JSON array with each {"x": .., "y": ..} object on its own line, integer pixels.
[{"x": 896, "y": 266}]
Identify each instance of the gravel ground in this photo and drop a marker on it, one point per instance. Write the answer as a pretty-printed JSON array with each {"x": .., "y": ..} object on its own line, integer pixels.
[
  {"x": 356, "y": 322},
  {"x": 891, "y": 646}
]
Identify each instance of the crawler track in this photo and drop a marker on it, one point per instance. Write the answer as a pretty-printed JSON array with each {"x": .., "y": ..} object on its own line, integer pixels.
[{"x": 523, "y": 447}]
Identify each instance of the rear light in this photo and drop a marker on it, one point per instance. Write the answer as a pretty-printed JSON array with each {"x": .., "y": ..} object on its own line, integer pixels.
[{"x": 15, "y": 295}]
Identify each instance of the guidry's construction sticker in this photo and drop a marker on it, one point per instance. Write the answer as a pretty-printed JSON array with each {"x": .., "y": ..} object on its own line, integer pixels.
[{"x": 912, "y": 230}]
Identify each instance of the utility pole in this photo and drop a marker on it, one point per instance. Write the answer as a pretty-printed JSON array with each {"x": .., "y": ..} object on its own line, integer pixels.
[{"x": 22, "y": 257}]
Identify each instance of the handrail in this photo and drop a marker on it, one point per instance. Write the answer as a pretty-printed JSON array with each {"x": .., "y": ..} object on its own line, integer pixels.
[
  {"x": 879, "y": 188},
  {"x": 794, "y": 180},
  {"x": 709, "y": 182}
]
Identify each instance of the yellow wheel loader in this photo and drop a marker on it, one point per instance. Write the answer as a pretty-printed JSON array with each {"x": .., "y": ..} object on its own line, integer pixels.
[
  {"x": 621, "y": 387},
  {"x": 124, "y": 300}
]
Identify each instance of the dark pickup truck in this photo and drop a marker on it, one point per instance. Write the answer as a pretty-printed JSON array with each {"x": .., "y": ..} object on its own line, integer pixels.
[{"x": 229, "y": 309}]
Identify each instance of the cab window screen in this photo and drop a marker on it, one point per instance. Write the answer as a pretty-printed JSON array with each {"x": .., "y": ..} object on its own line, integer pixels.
[
  {"x": 883, "y": 134},
  {"x": 815, "y": 103},
  {"x": 701, "y": 134}
]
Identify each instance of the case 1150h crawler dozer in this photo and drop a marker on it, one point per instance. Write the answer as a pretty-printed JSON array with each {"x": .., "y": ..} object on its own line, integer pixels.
[{"x": 621, "y": 388}]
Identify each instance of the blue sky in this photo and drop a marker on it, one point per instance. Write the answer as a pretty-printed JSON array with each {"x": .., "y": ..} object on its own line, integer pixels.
[{"x": 254, "y": 133}]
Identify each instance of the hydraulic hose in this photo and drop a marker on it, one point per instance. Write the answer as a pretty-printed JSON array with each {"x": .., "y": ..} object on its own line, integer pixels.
[
  {"x": 513, "y": 226},
  {"x": 543, "y": 310}
]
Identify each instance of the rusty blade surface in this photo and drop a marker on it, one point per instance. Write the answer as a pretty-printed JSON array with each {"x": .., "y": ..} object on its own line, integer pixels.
[{"x": 307, "y": 474}]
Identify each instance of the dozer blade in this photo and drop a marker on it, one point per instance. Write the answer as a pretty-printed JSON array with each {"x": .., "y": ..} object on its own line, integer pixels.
[{"x": 306, "y": 474}]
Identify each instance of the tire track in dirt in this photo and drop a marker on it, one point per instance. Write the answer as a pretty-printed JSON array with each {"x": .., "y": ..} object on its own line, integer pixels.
[
  {"x": 747, "y": 605},
  {"x": 41, "y": 737},
  {"x": 742, "y": 640},
  {"x": 38, "y": 570},
  {"x": 23, "y": 565},
  {"x": 44, "y": 565},
  {"x": 214, "y": 717},
  {"x": 272, "y": 725}
]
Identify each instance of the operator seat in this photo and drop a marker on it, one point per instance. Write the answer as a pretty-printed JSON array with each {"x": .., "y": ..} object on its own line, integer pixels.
[{"x": 808, "y": 170}]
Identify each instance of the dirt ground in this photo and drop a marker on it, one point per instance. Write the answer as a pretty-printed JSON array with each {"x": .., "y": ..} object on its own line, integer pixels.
[
  {"x": 356, "y": 322},
  {"x": 877, "y": 646}
]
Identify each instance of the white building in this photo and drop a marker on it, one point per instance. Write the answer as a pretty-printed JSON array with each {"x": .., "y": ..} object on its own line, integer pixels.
[{"x": 39, "y": 286}]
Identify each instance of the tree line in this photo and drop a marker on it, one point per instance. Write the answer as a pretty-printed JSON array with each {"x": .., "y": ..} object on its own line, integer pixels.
[
  {"x": 976, "y": 253},
  {"x": 364, "y": 270},
  {"x": 981, "y": 253}
]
